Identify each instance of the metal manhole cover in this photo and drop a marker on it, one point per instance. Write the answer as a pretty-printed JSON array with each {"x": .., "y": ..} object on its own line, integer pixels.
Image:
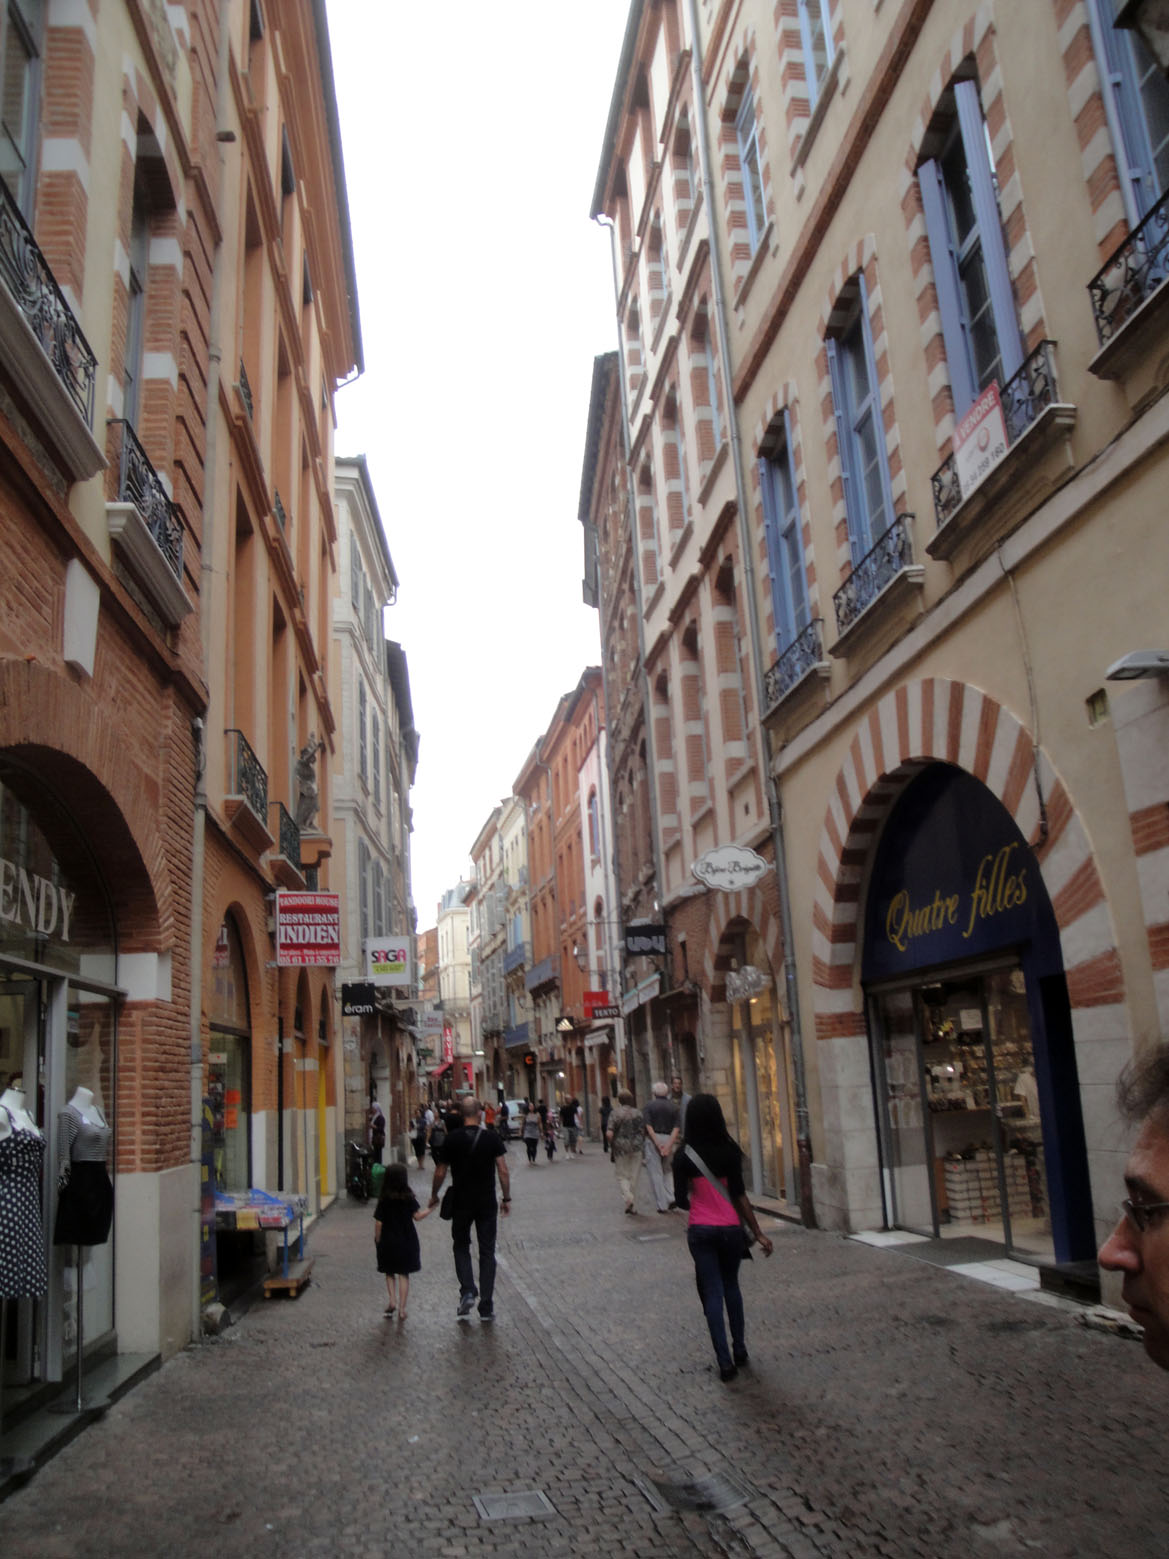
[
  {"x": 552, "y": 1241},
  {"x": 715, "y": 1492},
  {"x": 513, "y": 1507}
]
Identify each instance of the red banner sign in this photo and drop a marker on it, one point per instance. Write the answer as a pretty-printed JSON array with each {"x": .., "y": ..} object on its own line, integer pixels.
[
  {"x": 593, "y": 1000},
  {"x": 308, "y": 930}
]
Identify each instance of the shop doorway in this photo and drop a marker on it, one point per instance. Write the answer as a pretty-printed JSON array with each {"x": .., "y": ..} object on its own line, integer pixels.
[{"x": 962, "y": 1136}]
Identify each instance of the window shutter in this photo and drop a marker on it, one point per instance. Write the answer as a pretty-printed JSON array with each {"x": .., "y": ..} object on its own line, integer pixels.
[
  {"x": 774, "y": 559},
  {"x": 990, "y": 227},
  {"x": 844, "y": 445},
  {"x": 866, "y": 334},
  {"x": 945, "y": 263},
  {"x": 795, "y": 573}
]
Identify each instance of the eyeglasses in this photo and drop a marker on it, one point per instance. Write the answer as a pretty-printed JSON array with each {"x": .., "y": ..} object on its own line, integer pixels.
[{"x": 1142, "y": 1215}]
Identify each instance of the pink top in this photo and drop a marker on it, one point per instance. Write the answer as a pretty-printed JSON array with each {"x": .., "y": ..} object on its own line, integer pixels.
[{"x": 707, "y": 1206}]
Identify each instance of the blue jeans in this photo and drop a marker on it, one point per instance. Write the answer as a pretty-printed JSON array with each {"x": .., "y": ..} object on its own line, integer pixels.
[
  {"x": 484, "y": 1219},
  {"x": 718, "y": 1251}
]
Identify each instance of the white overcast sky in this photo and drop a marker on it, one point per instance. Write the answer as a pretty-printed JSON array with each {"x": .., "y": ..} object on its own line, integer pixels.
[{"x": 472, "y": 135}]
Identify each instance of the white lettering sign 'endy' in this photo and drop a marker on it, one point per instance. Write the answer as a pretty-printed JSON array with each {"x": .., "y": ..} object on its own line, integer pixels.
[{"x": 34, "y": 902}]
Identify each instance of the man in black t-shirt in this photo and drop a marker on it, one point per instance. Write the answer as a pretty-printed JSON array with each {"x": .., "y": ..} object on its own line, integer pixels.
[{"x": 474, "y": 1157}]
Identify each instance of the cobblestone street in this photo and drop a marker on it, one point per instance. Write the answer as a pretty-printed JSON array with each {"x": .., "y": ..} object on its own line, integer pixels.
[{"x": 890, "y": 1408}]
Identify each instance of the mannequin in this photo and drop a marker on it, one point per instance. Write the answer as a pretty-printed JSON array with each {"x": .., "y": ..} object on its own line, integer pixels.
[
  {"x": 13, "y": 1101},
  {"x": 85, "y": 1205},
  {"x": 22, "y": 1150}
]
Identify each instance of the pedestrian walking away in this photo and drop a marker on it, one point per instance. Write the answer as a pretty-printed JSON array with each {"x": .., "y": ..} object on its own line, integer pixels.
[
  {"x": 569, "y": 1112},
  {"x": 395, "y": 1238},
  {"x": 661, "y": 1133},
  {"x": 474, "y": 1157},
  {"x": 708, "y": 1181},
  {"x": 377, "y": 1131},
  {"x": 626, "y": 1138},
  {"x": 604, "y": 1112},
  {"x": 550, "y": 1136},
  {"x": 1138, "y": 1247},
  {"x": 531, "y": 1132},
  {"x": 418, "y": 1133}
]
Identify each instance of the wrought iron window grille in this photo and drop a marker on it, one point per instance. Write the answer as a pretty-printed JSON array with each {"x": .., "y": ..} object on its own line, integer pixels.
[
  {"x": 140, "y": 484},
  {"x": 288, "y": 835},
  {"x": 1024, "y": 396},
  {"x": 1133, "y": 273},
  {"x": 246, "y": 775},
  {"x": 34, "y": 288},
  {"x": 892, "y": 553},
  {"x": 800, "y": 657}
]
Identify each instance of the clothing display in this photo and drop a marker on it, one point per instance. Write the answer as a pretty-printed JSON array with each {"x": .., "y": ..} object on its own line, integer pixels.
[
  {"x": 22, "y": 1252},
  {"x": 85, "y": 1206}
]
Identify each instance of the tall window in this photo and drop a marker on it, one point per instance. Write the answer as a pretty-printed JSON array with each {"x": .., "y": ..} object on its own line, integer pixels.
[
  {"x": 747, "y": 136},
  {"x": 816, "y": 37},
  {"x": 354, "y": 572},
  {"x": 362, "y": 734},
  {"x": 785, "y": 543},
  {"x": 135, "y": 321},
  {"x": 594, "y": 826},
  {"x": 979, "y": 324},
  {"x": 363, "y": 886},
  {"x": 379, "y": 900},
  {"x": 1139, "y": 95},
  {"x": 860, "y": 433},
  {"x": 21, "y": 22},
  {"x": 375, "y": 747}
]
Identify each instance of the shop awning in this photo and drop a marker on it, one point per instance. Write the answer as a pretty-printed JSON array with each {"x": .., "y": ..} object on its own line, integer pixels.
[{"x": 438, "y": 1071}]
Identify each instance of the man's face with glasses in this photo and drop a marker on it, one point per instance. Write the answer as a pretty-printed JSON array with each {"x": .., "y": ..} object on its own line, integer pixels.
[{"x": 1139, "y": 1245}]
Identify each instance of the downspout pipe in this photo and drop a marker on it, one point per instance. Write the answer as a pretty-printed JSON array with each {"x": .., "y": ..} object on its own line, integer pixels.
[
  {"x": 643, "y": 672},
  {"x": 199, "y": 734},
  {"x": 746, "y": 547}
]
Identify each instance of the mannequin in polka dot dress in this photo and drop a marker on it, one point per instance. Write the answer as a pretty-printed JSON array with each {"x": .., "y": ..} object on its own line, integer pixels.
[{"x": 22, "y": 1152}]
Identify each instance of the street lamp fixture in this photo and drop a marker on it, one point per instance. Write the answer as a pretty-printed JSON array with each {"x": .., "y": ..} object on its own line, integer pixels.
[
  {"x": 1139, "y": 663},
  {"x": 581, "y": 954}
]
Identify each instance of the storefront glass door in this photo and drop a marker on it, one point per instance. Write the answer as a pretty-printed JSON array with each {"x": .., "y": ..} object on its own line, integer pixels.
[{"x": 905, "y": 1146}]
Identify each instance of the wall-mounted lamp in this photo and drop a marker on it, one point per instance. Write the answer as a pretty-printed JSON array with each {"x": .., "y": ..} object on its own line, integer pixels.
[
  {"x": 1139, "y": 663},
  {"x": 581, "y": 954}
]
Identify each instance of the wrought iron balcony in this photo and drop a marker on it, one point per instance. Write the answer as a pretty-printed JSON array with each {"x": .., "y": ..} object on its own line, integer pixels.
[
  {"x": 1024, "y": 397},
  {"x": 139, "y": 484},
  {"x": 246, "y": 775},
  {"x": 285, "y": 863},
  {"x": 802, "y": 656},
  {"x": 245, "y": 390},
  {"x": 516, "y": 1034},
  {"x": 892, "y": 554},
  {"x": 34, "y": 288},
  {"x": 278, "y": 509},
  {"x": 546, "y": 972},
  {"x": 1133, "y": 273},
  {"x": 515, "y": 957}
]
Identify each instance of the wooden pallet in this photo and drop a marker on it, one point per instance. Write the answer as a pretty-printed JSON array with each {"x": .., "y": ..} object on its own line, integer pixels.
[{"x": 299, "y": 1273}]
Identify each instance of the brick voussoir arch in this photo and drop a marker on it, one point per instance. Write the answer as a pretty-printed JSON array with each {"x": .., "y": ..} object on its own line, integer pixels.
[
  {"x": 744, "y": 904},
  {"x": 935, "y": 720},
  {"x": 39, "y": 709}
]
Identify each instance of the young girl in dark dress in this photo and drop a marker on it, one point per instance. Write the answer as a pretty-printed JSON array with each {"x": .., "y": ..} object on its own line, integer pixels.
[{"x": 395, "y": 1238}]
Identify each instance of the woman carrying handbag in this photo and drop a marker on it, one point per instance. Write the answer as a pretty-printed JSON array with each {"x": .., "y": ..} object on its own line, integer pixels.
[{"x": 708, "y": 1180}]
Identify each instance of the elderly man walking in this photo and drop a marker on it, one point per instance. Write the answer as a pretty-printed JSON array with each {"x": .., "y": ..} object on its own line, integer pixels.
[
  {"x": 661, "y": 1133},
  {"x": 1139, "y": 1245}
]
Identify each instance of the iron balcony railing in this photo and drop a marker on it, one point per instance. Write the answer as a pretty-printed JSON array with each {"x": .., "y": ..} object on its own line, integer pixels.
[
  {"x": 245, "y": 390},
  {"x": 793, "y": 665},
  {"x": 288, "y": 836},
  {"x": 544, "y": 973},
  {"x": 516, "y": 1034},
  {"x": 1023, "y": 397},
  {"x": 139, "y": 484},
  {"x": 1133, "y": 273},
  {"x": 892, "y": 553},
  {"x": 34, "y": 288},
  {"x": 246, "y": 776},
  {"x": 515, "y": 957}
]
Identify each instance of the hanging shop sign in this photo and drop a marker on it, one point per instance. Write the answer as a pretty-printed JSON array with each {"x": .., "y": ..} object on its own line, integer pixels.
[
  {"x": 308, "y": 930},
  {"x": 953, "y": 879},
  {"x": 730, "y": 867},
  {"x": 645, "y": 940},
  {"x": 357, "y": 1000},
  {"x": 387, "y": 960},
  {"x": 593, "y": 1000},
  {"x": 980, "y": 440}
]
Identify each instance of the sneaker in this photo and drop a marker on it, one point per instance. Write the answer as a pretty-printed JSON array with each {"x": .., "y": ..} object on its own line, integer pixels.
[
  {"x": 466, "y": 1305},
  {"x": 487, "y": 1315}
]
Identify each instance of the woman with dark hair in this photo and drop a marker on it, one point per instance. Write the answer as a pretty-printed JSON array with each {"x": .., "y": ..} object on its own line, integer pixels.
[{"x": 708, "y": 1180}]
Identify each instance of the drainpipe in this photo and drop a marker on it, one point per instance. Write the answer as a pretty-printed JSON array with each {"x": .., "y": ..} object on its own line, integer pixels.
[
  {"x": 206, "y": 579},
  {"x": 746, "y": 542},
  {"x": 646, "y": 705}
]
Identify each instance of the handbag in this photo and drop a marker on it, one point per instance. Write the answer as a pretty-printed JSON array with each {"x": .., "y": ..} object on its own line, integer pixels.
[{"x": 749, "y": 1235}]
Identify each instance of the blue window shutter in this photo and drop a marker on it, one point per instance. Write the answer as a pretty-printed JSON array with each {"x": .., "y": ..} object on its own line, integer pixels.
[
  {"x": 878, "y": 426},
  {"x": 771, "y": 522},
  {"x": 945, "y": 263},
  {"x": 843, "y": 442},
  {"x": 990, "y": 227},
  {"x": 797, "y": 584}
]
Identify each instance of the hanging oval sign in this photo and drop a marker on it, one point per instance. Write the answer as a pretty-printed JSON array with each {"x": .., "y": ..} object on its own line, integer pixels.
[{"x": 729, "y": 867}]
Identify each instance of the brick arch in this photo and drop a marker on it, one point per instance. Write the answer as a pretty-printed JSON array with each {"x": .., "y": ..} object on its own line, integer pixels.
[
  {"x": 46, "y": 717},
  {"x": 745, "y": 904},
  {"x": 951, "y": 722}
]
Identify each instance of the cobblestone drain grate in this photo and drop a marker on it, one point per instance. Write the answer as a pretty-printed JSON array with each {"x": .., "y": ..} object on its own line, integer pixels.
[
  {"x": 709, "y": 1494},
  {"x": 513, "y": 1507},
  {"x": 552, "y": 1241}
]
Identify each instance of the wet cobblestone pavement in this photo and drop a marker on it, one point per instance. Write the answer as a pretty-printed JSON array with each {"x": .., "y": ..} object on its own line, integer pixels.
[{"x": 890, "y": 1408}]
